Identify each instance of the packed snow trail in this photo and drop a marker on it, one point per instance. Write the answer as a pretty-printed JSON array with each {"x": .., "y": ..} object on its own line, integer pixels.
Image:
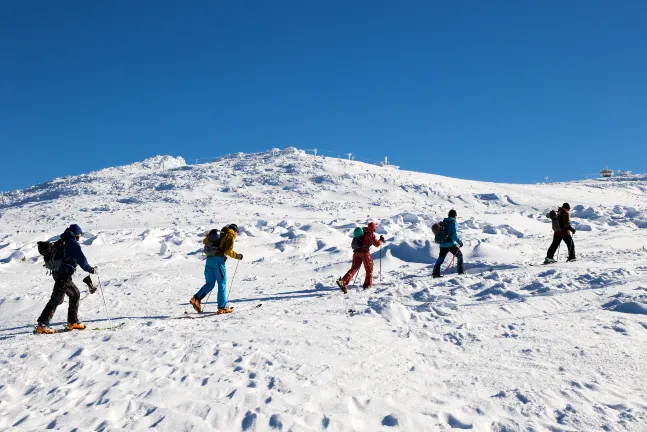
[{"x": 506, "y": 347}]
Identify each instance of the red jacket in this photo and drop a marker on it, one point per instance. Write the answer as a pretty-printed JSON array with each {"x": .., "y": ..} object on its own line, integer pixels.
[{"x": 369, "y": 240}]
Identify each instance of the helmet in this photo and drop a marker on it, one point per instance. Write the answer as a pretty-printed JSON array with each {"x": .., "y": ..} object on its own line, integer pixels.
[
  {"x": 358, "y": 232},
  {"x": 372, "y": 226},
  {"x": 233, "y": 227}
]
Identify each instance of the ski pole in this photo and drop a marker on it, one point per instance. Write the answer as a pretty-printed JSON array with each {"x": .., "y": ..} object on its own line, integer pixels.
[
  {"x": 558, "y": 249},
  {"x": 380, "y": 264},
  {"x": 104, "y": 301},
  {"x": 355, "y": 280},
  {"x": 232, "y": 284},
  {"x": 450, "y": 264},
  {"x": 207, "y": 300}
]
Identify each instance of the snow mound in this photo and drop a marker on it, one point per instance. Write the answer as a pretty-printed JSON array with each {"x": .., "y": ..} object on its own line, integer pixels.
[
  {"x": 416, "y": 251},
  {"x": 628, "y": 303}
]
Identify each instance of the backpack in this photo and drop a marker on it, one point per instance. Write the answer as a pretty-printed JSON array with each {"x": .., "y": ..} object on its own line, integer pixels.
[
  {"x": 212, "y": 243},
  {"x": 555, "y": 220},
  {"x": 358, "y": 243},
  {"x": 53, "y": 254},
  {"x": 441, "y": 232}
]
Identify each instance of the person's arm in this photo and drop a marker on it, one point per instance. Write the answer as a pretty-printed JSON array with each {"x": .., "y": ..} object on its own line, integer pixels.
[
  {"x": 567, "y": 223},
  {"x": 227, "y": 247},
  {"x": 455, "y": 236},
  {"x": 79, "y": 257},
  {"x": 375, "y": 242}
]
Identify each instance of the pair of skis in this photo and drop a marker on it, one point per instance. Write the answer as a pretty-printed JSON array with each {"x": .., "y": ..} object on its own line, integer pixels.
[{"x": 194, "y": 315}]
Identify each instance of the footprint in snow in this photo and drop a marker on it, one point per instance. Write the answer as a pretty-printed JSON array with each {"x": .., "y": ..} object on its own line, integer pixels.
[
  {"x": 249, "y": 422},
  {"x": 457, "y": 424},
  {"x": 390, "y": 421}
]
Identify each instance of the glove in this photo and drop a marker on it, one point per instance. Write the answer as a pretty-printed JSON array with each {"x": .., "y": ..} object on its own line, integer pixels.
[
  {"x": 88, "y": 281},
  {"x": 240, "y": 257},
  {"x": 382, "y": 238},
  {"x": 573, "y": 230},
  {"x": 460, "y": 243}
]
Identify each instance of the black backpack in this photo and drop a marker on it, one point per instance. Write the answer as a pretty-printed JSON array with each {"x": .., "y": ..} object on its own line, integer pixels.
[
  {"x": 358, "y": 243},
  {"x": 441, "y": 232},
  {"x": 53, "y": 254},
  {"x": 212, "y": 243},
  {"x": 556, "y": 220}
]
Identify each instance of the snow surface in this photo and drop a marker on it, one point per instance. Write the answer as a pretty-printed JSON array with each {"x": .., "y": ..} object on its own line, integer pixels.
[{"x": 509, "y": 346}]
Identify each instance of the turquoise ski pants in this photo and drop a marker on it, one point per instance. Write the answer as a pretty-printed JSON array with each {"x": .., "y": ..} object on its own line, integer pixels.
[{"x": 215, "y": 271}]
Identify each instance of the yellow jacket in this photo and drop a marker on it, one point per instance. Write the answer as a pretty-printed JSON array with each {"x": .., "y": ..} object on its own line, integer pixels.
[{"x": 227, "y": 238}]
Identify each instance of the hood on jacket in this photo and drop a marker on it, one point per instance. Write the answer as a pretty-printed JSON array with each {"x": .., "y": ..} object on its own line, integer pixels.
[
  {"x": 68, "y": 235},
  {"x": 227, "y": 230},
  {"x": 448, "y": 219}
]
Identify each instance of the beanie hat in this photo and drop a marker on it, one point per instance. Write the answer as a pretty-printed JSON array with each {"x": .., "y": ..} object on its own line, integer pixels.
[
  {"x": 567, "y": 206},
  {"x": 372, "y": 226},
  {"x": 75, "y": 229},
  {"x": 452, "y": 213},
  {"x": 234, "y": 227}
]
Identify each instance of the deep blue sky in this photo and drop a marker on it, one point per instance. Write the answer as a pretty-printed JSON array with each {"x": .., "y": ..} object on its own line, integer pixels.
[{"x": 505, "y": 90}]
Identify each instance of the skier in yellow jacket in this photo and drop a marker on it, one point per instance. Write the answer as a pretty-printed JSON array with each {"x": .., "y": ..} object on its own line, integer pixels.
[{"x": 215, "y": 270}]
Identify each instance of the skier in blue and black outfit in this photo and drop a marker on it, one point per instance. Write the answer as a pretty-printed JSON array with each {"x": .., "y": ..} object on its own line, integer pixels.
[
  {"x": 63, "y": 284},
  {"x": 450, "y": 243}
]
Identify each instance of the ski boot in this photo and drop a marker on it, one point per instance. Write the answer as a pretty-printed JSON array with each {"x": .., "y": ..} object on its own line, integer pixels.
[
  {"x": 74, "y": 326},
  {"x": 549, "y": 261},
  {"x": 43, "y": 329},
  {"x": 436, "y": 276},
  {"x": 571, "y": 259},
  {"x": 342, "y": 286},
  {"x": 224, "y": 310},
  {"x": 366, "y": 286},
  {"x": 196, "y": 304}
]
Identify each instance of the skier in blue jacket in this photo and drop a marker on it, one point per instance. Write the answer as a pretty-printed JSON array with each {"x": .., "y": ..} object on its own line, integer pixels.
[
  {"x": 451, "y": 243},
  {"x": 63, "y": 285}
]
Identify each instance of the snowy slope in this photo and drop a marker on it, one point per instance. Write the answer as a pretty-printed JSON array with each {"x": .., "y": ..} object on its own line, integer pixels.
[{"x": 510, "y": 346}]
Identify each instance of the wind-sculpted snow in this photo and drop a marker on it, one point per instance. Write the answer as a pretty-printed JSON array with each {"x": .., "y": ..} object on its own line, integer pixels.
[{"x": 511, "y": 345}]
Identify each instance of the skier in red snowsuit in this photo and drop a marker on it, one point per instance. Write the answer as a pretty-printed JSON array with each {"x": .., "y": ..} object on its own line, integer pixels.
[{"x": 361, "y": 256}]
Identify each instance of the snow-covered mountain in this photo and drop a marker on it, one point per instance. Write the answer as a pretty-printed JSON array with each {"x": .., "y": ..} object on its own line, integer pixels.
[{"x": 509, "y": 346}]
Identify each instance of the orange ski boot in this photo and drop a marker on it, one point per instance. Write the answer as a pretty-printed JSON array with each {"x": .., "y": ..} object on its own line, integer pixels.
[
  {"x": 74, "y": 326},
  {"x": 43, "y": 329},
  {"x": 196, "y": 304},
  {"x": 224, "y": 310}
]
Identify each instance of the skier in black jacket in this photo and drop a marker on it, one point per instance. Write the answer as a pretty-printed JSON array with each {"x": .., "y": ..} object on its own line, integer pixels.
[{"x": 64, "y": 285}]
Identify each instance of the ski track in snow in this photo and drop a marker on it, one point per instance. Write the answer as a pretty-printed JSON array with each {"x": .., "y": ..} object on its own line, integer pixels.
[{"x": 510, "y": 346}]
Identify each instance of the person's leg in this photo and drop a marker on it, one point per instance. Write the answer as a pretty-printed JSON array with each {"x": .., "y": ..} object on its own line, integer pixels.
[
  {"x": 459, "y": 259},
  {"x": 210, "y": 280},
  {"x": 357, "y": 263},
  {"x": 58, "y": 295},
  {"x": 439, "y": 261},
  {"x": 368, "y": 267},
  {"x": 571, "y": 247},
  {"x": 221, "y": 277},
  {"x": 553, "y": 247},
  {"x": 73, "y": 295}
]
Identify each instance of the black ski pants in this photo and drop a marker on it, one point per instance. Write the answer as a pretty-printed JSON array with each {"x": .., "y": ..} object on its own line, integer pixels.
[
  {"x": 63, "y": 286},
  {"x": 455, "y": 250},
  {"x": 555, "y": 244}
]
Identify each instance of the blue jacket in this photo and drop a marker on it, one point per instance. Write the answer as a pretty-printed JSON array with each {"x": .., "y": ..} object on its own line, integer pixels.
[
  {"x": 73, "y": 256},
  {"x": 452, "y": 227}
]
